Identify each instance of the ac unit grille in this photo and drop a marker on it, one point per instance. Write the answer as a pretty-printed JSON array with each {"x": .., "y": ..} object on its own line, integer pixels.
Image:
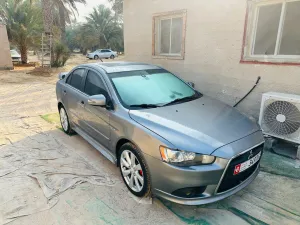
[{"x": 281, "y": 118}]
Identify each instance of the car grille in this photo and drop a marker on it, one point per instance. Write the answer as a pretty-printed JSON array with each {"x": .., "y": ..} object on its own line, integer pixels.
[{"x": 229, "y": 180}]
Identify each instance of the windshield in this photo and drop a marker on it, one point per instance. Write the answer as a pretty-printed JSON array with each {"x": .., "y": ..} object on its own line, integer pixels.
[{"x": 151, "y": 87}]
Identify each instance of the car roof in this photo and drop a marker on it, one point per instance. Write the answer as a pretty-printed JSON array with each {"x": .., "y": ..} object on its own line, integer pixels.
[{"x": 115, "y": 67}]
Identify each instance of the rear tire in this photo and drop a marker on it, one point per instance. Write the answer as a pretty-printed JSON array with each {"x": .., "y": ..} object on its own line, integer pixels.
[{"x": 134, "y": 170}]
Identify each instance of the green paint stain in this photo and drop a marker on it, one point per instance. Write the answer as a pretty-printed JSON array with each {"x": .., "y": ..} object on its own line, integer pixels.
[
  {"x": 54, "y": 119},
  {"x": 58, "y": 219},
  {"x": 69, "y": 203},
  {"x": 101, "y": 211},
  {"x": 193, "y": 221},
  {"x": 250, "y": 219},
  {"x": 176, "y": 209},
  {"x": 278, "y": 165},
  {"x": 85, "y": 188},
  {"x": 186, "y": 213}
]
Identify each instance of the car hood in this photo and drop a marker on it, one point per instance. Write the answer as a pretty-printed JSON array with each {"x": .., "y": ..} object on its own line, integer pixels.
[{"x": 201, "y": 126}]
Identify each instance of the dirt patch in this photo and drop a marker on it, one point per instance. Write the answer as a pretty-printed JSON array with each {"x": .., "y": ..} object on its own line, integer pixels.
[
  {"x": 23, "y": 74},
  {"x": 41, "y": 71}
]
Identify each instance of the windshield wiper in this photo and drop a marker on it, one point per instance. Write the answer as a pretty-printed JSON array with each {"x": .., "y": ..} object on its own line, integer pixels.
[
  {"x": 182, "y": 99},
  {"x": 145, "y": 106}
]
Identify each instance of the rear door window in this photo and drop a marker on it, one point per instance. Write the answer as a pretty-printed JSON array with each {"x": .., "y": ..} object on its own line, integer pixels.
[{"x": 76, "y": 78}]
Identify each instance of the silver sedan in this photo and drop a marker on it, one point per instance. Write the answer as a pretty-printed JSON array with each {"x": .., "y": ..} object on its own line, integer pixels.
[
  {"x": 167, "y": 138},
  {"x": 102, "y": 54}
]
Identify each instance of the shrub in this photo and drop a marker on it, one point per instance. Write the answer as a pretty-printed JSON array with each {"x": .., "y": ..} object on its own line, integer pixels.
[{"x": 61, "y": 54}]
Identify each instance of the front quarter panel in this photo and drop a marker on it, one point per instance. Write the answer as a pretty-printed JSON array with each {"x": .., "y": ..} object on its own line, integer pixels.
[
  {"x": 59, "y": 87},
  {"x": 123, "y": 127}
]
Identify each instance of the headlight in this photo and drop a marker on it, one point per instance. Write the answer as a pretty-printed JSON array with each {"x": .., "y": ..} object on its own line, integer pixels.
[{"x": 184, "y": 158}]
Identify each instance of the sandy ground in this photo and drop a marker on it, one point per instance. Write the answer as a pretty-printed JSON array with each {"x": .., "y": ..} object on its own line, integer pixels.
[{"x": 273, "y": 198}]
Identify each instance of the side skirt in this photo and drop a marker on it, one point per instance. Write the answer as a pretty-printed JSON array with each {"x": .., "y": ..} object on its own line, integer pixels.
[{"x": 104, "y": 151}]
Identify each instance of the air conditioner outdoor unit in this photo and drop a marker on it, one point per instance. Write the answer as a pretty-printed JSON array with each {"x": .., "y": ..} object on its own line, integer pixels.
[{"x": 280, "y": 116}]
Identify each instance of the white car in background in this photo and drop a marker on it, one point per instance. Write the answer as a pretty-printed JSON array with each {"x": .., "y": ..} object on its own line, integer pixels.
[
  {"x": 15, "y": 56},
  {"x": 102, "y": 54}
]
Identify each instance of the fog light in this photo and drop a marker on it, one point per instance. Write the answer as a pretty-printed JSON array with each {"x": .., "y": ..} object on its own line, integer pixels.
[{"x": 191, "y": 192}]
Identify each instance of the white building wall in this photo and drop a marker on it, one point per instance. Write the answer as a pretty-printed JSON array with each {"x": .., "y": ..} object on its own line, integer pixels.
[
  {"x": 214, "y": 39},
  {"x": 5, "y": 57}
]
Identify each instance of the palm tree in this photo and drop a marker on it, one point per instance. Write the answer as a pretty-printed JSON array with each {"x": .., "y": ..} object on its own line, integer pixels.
[
  {"x": 48, "y": 16},
  {"x": 24, "y": 25},
  {"x": 65, "y": 10},
  {"x": 85, "y": 39},
  {"x": 117, "y": 6},
  {"x": 104, "y": 24}
]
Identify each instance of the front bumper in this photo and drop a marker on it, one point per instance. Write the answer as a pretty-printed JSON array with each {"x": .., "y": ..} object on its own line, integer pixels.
[
  {"x": 15, "y": 59},
  {"x": 206, "y": 199},
  {"x": 168, "y": 179}
]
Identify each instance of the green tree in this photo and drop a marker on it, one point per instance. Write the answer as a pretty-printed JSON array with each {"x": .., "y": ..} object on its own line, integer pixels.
[
  {"x": 117, "y": 6},
  {"x": 62, "y": 10},
  {"x": 79, "y": 36},
  {"x": 66, "y": 9},
  {"x": 104, "y": 24},
  {"x": 24, "y": 25}
]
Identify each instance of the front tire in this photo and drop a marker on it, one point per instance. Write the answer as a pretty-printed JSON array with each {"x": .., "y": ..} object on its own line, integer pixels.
[
  {"x": 134, "y": 170},
  {"x": 112, "y": 57},
  {"x": 64, "y": 120},
  {"x": 96, "y": 57}
]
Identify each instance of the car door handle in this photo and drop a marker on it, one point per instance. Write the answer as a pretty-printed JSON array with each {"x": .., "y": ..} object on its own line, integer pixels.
[
  {"x": 82, "y": 102},
  {"x": 65, "y": 92}
]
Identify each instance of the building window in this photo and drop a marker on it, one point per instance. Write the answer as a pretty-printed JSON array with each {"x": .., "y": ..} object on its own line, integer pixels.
[
  {"x": 169, "y": 34},
  {"x": 272, "y": 33}
]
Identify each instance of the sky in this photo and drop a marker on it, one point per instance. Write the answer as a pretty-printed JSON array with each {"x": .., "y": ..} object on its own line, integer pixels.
[{"x": 84, "y": 10}]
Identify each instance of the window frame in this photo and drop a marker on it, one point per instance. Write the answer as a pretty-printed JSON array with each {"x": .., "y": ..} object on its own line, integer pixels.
[
  {"x": 83, "y": 79},
  {"x": 164, "y": 16},
  {"x": 109, "y": 100},
  {"x": 250, "y": 30},
  {"x": 100, "y": 77}
]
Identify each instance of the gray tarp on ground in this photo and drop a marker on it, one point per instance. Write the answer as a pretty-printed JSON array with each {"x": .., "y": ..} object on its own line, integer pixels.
[{"x": 36, "y": 169}]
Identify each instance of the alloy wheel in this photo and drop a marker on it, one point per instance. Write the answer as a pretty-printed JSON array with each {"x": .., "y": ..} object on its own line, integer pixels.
[
  {"x": 132, "y": 171},
  {"x": 64, "y": 119}
]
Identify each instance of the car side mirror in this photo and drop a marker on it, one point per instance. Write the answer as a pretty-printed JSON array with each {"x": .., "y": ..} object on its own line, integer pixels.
[
  {"x": 62, "y": 76},
  {"x": 191, "y": 84},
  {"x": 97, "y": 100}
]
